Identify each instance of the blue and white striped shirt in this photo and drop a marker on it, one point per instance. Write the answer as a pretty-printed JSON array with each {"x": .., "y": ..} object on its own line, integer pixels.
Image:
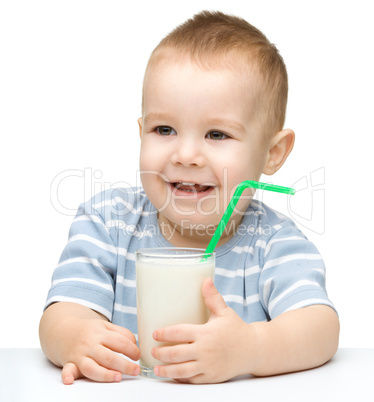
[{"x": 267, "y": 268}]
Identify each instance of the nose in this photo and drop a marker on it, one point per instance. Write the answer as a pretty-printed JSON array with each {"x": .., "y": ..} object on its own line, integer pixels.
[{"x": 188, "y": 152}]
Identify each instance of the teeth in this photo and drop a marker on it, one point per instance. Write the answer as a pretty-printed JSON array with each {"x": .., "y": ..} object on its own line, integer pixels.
[{"x": 189, "y": 187}]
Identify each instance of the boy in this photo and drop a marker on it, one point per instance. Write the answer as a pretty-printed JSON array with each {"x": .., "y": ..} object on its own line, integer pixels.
[{"x": 214, "y": 101}]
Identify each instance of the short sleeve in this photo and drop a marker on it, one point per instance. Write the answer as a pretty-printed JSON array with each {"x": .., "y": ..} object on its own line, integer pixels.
[
  {"x": 293, "y": 273},
  {"x": 87, "y": 267}
]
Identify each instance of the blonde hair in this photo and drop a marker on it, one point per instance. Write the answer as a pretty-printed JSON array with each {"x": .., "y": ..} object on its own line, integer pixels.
[{"x": 209, "y": 37}]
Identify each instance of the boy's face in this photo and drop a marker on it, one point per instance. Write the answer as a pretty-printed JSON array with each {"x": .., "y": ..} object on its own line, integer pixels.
[{"x": 199, "y": 140}]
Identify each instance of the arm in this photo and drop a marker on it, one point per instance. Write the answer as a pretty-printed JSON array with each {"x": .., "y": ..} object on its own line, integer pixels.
[
  {"x": 226, "y": 346},
  {"x": 296, "y": 340},
  {"x": 84, "y": 343}
]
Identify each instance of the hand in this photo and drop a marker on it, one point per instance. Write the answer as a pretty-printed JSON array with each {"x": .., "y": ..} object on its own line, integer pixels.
[
  {"x": 208, "y": 353},
  {"x": 90, "y": 349}
]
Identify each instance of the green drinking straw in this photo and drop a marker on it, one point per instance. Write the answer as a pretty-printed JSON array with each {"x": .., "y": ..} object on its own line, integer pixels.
[{"x": 234, "y": 200}]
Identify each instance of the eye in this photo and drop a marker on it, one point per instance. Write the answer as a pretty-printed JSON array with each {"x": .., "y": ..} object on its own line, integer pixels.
[
  {"x": 165, "y": 130},
  {"x": 217, "y": 135}
]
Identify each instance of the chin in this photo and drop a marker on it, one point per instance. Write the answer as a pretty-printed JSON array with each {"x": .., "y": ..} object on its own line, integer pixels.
[{"x": 198, "y": 222}]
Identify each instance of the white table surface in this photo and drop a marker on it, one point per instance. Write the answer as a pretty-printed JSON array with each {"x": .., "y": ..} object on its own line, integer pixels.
[{"x": 26, "y": 376}]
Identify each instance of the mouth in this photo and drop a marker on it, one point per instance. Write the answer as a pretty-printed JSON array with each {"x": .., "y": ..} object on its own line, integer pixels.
[{"x": 189, "y": 188}]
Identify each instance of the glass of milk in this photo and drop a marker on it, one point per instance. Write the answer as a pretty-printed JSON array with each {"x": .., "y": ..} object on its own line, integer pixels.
[{"x": 169, "y": 292}]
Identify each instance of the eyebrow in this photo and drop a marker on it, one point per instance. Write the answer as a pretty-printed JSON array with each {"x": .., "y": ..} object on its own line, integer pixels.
[
  {"x": 157, "y": 116},
  {"x": 231, "y": 124}
]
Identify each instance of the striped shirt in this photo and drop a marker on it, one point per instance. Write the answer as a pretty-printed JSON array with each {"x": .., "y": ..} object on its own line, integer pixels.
[{"x": 267, "y": 268}]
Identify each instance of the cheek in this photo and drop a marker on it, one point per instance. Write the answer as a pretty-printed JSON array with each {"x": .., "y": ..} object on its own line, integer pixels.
[
  {"x": 155, "y": 189},
  {"x": 145, "y": 161},
  {"x": 245, "y": 164},
  {"x": 235, "y": 171},
  {"x": 154, "y": 153},
  {"x": 147, "y": 169}
]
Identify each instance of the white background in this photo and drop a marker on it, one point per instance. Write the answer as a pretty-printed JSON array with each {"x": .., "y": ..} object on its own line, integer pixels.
[{"x": 70, "y": 94}]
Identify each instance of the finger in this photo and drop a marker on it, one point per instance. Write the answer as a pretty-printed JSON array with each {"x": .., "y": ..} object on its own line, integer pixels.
[
  {"x": 120, "y": 343},
  {"x": 113, "y": 361},
  {"x": 121, "y": 330},
  {"x": 182, "y": 370},
  {"x": 182, "y": 333},
  {"x": 70, "y": 373},
  {"x": 175, "y": 354},
  {"x": 213, "y": 299},
  {"x": 92, "y": 370},
  {"x": 198, "y": 379}
]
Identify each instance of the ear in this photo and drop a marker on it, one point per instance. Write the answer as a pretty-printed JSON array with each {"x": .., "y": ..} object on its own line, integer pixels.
[
  {"x": 280, "y": 147},
  {"x": 140, "y": 122}
]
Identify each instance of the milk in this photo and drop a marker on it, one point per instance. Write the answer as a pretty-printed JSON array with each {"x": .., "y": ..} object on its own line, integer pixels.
[{"x": 169, "y": 293}]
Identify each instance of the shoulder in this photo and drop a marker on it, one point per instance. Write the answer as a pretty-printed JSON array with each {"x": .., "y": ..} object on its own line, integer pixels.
[
  {"x": 279, "y": 237},
  {"x": 117, "y": 204},
  {"x": 128, "y": 196},
  {"x": 269, "y": 222},
  {"x": 283, "y": 243}
]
